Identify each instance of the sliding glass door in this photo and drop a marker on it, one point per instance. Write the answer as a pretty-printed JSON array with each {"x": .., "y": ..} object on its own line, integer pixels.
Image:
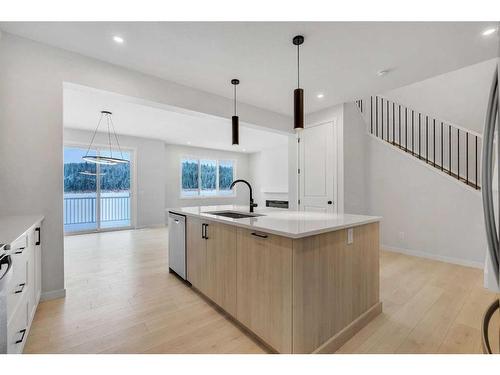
[{"x": 96, "y": 196}]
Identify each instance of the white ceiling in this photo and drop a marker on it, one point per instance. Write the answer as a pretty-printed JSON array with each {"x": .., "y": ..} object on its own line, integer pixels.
[
  {"x": 339, "y": 59},
  {"x": 135, "y": 117}
]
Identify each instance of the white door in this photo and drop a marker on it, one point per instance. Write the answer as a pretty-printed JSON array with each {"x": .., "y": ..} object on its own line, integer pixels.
[{"x": 317, "y": 169}]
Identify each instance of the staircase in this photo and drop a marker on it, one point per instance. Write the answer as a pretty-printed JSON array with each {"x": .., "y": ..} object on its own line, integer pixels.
[{"x": 451, "y": 149}]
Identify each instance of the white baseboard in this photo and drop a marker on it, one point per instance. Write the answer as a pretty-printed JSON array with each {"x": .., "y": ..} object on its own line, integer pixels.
[
  {"x": 152, "y": 226},
  {"x": 54, "y": 294},
  {"x": 423, "y": 254}
]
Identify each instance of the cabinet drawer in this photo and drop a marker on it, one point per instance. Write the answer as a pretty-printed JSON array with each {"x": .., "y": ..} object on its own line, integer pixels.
[
  {"x": 17, "y": 329},
  {"x": 19, "y": 283},
  {"x": 20, "y": 244}
]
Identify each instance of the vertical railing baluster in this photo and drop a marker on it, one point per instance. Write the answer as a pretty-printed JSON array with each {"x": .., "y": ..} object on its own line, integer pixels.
[
  {"x": 419, "y": 133},
  {"x": 393, "y": 125},
  {"x": 399, "y": 124},
  {"x": 412, "y": 132},
  {"x": 371, "y": 114},
  {"x": 467, "y": 158},
  {"x": 458, "y": 154},
  {"x": 426, "y": 139},
  {"x": 387, "y": 111},
  {"x": 442, "y": 147},
  {"x": 449, "y": 147},
  {"x": 434, "y": 141},
  {"x": 376, "y": 116},
  {"x": 382, "y": 114},
  {"x": 406, "y": 129}
]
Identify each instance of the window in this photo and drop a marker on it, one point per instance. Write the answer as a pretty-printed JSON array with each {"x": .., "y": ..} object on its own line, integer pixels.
[{"x": 206, "y": 177}]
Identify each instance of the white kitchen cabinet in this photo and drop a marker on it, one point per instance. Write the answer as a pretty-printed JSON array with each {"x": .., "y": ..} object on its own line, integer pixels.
[{"x": 24, "y": 289}]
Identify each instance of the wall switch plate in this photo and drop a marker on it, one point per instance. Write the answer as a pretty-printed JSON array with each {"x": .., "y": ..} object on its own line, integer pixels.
[{"x": 350, "y": 236}]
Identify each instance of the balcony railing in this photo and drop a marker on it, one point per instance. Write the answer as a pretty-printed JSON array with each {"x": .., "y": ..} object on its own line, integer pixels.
[{"x": 82, "y": 210}]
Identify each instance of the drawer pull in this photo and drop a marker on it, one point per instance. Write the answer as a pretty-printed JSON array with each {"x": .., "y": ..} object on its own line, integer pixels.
[
  {"x": 23, "y": 333},
  {"x": 20, "y": 288},
  {"x": 259, "y": 235},
  {"x": 19, "y": 251},
  {"x": 39, "y": 236}
]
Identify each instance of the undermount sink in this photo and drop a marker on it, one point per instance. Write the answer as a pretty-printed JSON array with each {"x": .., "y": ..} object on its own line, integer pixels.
[{"x": 233, "y": 214}]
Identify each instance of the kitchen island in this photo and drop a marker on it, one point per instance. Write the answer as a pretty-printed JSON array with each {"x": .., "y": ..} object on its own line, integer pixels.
[{"x": 301, "y": 282}]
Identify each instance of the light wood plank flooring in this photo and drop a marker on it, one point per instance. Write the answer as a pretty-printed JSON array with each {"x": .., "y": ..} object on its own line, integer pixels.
[{"x": 121, "y": 299}]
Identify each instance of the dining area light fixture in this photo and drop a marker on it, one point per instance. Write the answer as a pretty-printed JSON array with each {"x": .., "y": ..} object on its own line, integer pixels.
[
  {"x": 106, "y": 160},
  {"x": 298, "y": 93},
  {"x": 235, "y": 119}
]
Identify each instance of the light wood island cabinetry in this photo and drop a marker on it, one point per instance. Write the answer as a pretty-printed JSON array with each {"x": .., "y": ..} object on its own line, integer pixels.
[{"x": 297, "y": 295}]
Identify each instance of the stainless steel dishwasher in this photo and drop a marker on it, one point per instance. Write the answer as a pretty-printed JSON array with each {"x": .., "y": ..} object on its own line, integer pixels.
[{"x": 177, "y": 244}]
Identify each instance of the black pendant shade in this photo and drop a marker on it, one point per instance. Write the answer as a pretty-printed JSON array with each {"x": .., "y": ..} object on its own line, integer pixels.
[
  {"x": 235, "y": 118},
  {"x": 298, "y": 93},
  {"x": 298, "y": 109},
  {"x": 236, "y": 130}
]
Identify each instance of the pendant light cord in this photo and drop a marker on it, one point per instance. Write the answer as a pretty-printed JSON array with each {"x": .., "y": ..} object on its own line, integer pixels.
[
  {"x": 109, "y": 136},
  {"x": 109, "y": 121},
  {"x": 298, "y": 66},
  {"x": 235, "y": 100},
  {"x": 116, "y": 137},
  {"x": 93, "y": 136}
]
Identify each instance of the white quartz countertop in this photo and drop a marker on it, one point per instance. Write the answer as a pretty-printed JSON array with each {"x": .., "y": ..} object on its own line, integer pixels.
[
  {"x": 12, "y": 227},
  {"x": 283, "y": 222}
]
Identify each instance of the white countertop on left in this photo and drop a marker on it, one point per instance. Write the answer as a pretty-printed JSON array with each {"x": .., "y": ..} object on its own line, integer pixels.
[
  {"x": 283, "y": 222},
  {"x": 11, "y": 227}
]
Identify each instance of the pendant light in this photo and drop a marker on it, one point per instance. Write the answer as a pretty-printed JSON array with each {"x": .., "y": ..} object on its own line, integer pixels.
[
  {"x": 89, "y": 173},
  {"x": 298, "y": 93},
  {"x": 108, "y": 160},
  {"x": 235, "y": 119}
]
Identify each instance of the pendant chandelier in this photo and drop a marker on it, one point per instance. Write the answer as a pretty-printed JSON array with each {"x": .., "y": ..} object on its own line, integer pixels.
[
  {"x": 235, "y": 119},
  {"x": 298, "y": 93},
  {"x": 108, "y": 160},
  {"x": 89, "y": 173}
]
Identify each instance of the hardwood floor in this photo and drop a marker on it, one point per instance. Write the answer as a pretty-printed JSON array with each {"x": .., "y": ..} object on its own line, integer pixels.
[{"x": 121, "y": 299}]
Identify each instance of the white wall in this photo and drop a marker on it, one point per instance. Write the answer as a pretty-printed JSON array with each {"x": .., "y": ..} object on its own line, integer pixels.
[
  {"x": 31, "y": 129},
  {"x": 460, "y": 96},
  {"x": 149, "y": 172},
  {"x": 356, "y": 159},
  {"x": 269, "y": 174},
  {"x": 172, "y": 160},
  {"x": 425, "y": 212}
]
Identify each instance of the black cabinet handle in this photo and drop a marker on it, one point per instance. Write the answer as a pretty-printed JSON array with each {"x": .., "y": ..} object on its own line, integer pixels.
[
  {"x": 23, "y": 332},
  {"x": 329, "y": 202},
  {"x": 39, "y": 236},
  {"x": 19, "y": 251},
  {"x": 204, "y": 228},
  {"x": 21, "y": 288},
  {"x": 259, "y": 235}
]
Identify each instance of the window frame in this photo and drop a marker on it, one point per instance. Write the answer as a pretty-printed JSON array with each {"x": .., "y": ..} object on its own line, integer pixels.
[{"x": 217, "y": 189}]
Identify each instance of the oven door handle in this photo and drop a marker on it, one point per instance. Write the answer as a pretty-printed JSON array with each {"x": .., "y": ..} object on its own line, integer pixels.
[{"x": 9, "y": 266}]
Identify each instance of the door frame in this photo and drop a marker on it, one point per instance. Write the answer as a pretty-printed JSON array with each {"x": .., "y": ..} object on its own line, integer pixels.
[
  {"x": 338, "y": 164},
  {"x": 133, "y": 186}
]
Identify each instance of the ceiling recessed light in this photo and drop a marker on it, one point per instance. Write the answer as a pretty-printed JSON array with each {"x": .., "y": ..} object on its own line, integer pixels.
[
  {"x": 320, "y": 96},
  {"x": 381, "y": 73},
  {"x": 489, "y": 31},
  {"x": 118, "y": 39}
]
